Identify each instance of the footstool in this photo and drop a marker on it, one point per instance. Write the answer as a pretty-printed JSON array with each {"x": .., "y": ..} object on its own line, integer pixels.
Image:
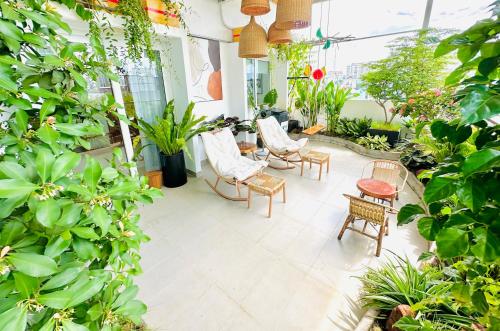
[
  {"x": 316, "y": 158},
  {"x": 266, "y": 185}
]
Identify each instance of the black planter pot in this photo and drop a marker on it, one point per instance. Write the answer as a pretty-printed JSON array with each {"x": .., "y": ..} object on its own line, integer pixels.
[
  {"x": 392, "y": 136},
  {"x": 292, "y": 125},
  {"x": 174, "y": 169},
  {"x": 260, "y": 143}
]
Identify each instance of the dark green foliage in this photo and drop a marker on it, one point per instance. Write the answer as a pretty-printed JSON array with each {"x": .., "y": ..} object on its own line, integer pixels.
[
  {"x": 355, "y": 128},
  {"x": 377, "y": 143},
  {"x": 69, "y": 233}
]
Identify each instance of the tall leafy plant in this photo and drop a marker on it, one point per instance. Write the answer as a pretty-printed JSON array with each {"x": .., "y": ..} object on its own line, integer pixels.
[
  {"x": 171, "y": 137},
  {"x": 335, "y": 97},
  {"x": 69, "y": 234},
  {"x": 310, "y": 100},
  {"x": 461, "y": 199}
]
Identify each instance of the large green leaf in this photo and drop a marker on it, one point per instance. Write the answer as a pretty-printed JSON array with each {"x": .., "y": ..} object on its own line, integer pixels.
[
  {"x": 101, "y": 218},
  {"x": 92, "y": 173},
  {"x": 471, "y": 194},
  {"x": 44, "y": 162},
  {"x": 481, "y": 161},
  {"x": 128, "y": 294},
  {"x": 10, "y": 30},
  {"x": 63, "y": 278},
  {"x": 7, "y": 83},
  {"x": 48, "y": 135},
  {"x": 11, "y": 231},
  {"x": 428, "y": 227},
  {"x": 41, "y": 93},
  {"x": 14, "y": 319},
  {"x": 64, "y": 164},
  {"x": 26, "y": 285},
  {"x": 439, "y": 188},
  {"x": 48, "y": 212},
  {"x": 408, "y": 213},
  {"x": 452, "y": 242},
  {"x": 13, "y": 170},
  {"x": 72, "y": 326},
  {"x": 83, "y": 292},
  {"x": 487, "y": 247},
  {"x": 56, "y": 246},
  {"x": 85, "y": 232},
  {"x": 480, "y": 105},
  {"x": 33, "y": 264},
  {"x": 56, "y": 300},
  {"x": 15, "y": 187}
]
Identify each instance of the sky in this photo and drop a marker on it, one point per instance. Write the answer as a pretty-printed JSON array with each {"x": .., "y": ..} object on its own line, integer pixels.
[{"x": 360, "y": 18}]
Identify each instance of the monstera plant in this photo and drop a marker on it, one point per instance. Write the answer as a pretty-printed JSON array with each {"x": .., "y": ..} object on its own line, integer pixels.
[{"x": 69, "y": 234}]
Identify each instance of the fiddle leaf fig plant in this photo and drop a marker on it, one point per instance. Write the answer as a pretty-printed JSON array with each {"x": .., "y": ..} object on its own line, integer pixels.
[{"x": 69, "y": 233}]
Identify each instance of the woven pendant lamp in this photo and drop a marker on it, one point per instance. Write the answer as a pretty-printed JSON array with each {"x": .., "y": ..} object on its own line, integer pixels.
[
  {"x": 255, "y": 7},
  {"x": 253, "y": 41},
  {"x": 277, "y": 36},
  {"x": 293, "y": 14}
]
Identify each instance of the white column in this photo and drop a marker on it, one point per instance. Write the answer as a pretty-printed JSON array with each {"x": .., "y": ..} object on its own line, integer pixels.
[{"x": 127, "y": 139}]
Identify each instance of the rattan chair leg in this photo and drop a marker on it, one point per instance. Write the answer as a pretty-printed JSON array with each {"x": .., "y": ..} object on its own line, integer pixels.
[
  {"x": 249, "y": 198},
  {"x": 379, "y": 240},
  {"x": 364, "y": 226},
  {"x": 284, "y": 193},
  {"x": 348, "y": 220},
  {"x": 270, "y": 206},
  {"x": 387, "y": 226}
]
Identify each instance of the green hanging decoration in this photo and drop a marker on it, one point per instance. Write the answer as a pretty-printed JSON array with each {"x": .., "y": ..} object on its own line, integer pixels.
[
  {"x": 327, "y": 44},
  {"x": 319, "y": 34}
]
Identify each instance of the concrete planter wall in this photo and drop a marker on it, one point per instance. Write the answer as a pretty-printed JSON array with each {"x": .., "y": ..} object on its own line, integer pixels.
[{"x": 351, "y": 145}]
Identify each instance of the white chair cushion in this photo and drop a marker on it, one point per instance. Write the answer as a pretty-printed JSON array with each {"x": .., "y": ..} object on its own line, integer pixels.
[
  {"x": 224, "y": 156},
  {"x": 276, "y": 139}
]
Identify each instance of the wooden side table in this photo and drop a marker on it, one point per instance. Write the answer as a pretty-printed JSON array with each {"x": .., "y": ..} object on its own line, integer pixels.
[
  {"x": 267, "y": 185},
  {"x": 316, "y": 158},
  {"x": 247, "y": 148}
]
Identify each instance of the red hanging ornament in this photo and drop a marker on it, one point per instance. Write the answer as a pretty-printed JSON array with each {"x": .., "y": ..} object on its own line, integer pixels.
[{"x": 318, "y": 74}]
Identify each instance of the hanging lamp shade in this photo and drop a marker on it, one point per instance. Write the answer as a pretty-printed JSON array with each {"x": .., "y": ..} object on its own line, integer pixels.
[
  {"x": 255, "y": 7},
  {"x": 293, "y": 14},
  {"x": 253, "y": 41},
  {"x": 277, "y": 36}
]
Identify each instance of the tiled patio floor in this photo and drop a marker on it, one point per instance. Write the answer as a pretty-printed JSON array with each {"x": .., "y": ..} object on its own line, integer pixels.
[{"x": 212, "y": 264}]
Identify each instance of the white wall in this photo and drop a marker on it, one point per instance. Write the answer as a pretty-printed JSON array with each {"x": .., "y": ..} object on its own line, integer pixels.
[{"x": 368, "y": 108}]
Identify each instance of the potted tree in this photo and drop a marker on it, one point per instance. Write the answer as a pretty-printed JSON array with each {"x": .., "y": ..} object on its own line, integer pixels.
[{"x": 171, "y": 138}]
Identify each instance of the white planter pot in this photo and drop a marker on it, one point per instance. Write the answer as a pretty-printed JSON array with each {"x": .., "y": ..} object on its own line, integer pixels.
[{"x": 251, "y": 138}]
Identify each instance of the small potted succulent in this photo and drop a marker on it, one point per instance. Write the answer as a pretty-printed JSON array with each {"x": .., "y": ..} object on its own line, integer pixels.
[{"x": 171, "y": 138}]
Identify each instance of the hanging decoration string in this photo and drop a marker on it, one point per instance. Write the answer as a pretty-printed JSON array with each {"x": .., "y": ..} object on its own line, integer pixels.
[
  {"x": 328, "y": 28},
  {"x": 319, "y": 29}
]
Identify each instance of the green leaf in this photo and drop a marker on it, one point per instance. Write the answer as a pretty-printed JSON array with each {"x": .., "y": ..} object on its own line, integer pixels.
[
  {"x": 428, "y": 227},
  {"x": 13, "y": 170},
  {"x": 471, "y": 194},
  {"x": 56, "y": 246},
  {"x": 452, "y": 242},
  {"x": 319, "y": 34},
  {"x": 327, "y": 44},
  {"x": 48, "y": 212},
  {"x": 14, "y": 319},
  {"x": 459, "y": 220},
  {"x": 92, "y": 174},
  {"x": 481, "y": 161},
  {"x": 26, "y": 285},
  {"x": 22, "y": 120},
  {"x": 48, "y": 107},
  {"x": 71, "y": 326},
  {"x": 33, "y": 264},
  {"x": 408, "y": 323},
  {"x": 7, "y": 83},
  {"x": 15, "y": 187},
  {"x": 95, "y": 311},
  {"x": 63, "y": 278},
  {"x": 101, "y": 218},
  {"x": 479, "y": 105},
  {"x": 79, "y": 129},
  {"x": 81, "y": 293},
  {"x": 487, "y": 245},
  {"x": 56, "y": 300},
  {"x": 34, "y": 39},
  {"x": 408, "y": 213},
  {"x": 64, "y": 164},
  {"x": 44, "y": 162},
  {"x": 85, "y": 233},
  {"x": 479, "y": 302},
  {"x": 439, "y": 188},
  {"x": 85, "y": 249},
  {"x": 48, "y": 135},
  {"x": 10, "y": 30},
  {"x": 8, "y": 12},
  {"x": 48, "y": 326},
  {"x": 10, "y": 232},
  {"x": 41, "y": 93},
  {"x": 127, "y": 295},
  {"x": 123, "y": 189},
  {"x": 70, "y": 215},
  {"x": 79, "y": 79},
  {"x": 132, "y": 308},
  {"x": 461, "y": 292}
]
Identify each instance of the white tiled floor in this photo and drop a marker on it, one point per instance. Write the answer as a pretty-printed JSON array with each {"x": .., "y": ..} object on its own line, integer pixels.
[{"x": 212, "y": 264}]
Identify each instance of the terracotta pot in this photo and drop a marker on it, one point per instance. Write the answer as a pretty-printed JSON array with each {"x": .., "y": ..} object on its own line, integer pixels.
[{"x": 155, "y": 178}]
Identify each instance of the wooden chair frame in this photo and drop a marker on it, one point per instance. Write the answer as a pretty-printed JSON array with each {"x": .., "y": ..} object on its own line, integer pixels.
[
  {"x": 282, "y": 156},
  {"x": 389, "y": 178},
  {"x": 372, "y": 213}
]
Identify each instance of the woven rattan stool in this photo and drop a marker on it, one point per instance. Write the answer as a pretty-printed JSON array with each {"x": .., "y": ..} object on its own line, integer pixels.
[
  {"x": 267, "y": 185},
  {"x": 372, "y": 213},
  {"x": 316, "y": 158}
]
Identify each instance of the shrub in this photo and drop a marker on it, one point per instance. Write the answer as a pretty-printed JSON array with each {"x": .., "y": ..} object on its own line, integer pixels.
[
  {"x": 69, "y": 233},
  {"x": 385, "y": 126},
  {"x": 377, "y": 143},
  {"x": 354, "y": 128}
]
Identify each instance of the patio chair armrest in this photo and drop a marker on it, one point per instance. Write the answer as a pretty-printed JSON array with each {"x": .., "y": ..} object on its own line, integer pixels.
[{"x": 389, "y": 208}]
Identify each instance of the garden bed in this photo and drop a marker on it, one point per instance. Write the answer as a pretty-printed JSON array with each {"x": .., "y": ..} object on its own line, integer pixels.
[{"x": 376, "y": 154}]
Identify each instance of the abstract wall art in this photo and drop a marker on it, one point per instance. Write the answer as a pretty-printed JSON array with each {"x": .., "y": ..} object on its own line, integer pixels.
[{"x": 206, "y": 74}]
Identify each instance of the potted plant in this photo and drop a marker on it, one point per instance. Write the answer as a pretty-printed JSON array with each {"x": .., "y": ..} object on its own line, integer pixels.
[
  {"x": 171, "y": 138},
  {"x": 390, "y": 130},
  {"x": 335, "y": 97}
]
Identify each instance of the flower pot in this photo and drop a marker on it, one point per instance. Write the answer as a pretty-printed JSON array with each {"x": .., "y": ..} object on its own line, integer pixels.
[
  {"x": 174, "y": 169},
  {"x": 155, "y": 178},
  {"x": 392, "y": 136},
  {"x": 252, "y": 138},
  {"x": 292, "y": 125}
]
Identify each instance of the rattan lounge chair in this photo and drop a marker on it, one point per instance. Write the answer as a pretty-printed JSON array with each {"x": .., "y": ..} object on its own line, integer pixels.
[
  {"x": 278, "y": 143},
  {"x": 228, "y": 164},
  {"x": 390, "y": 172},
  {"x": 372, "y": 213}
]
